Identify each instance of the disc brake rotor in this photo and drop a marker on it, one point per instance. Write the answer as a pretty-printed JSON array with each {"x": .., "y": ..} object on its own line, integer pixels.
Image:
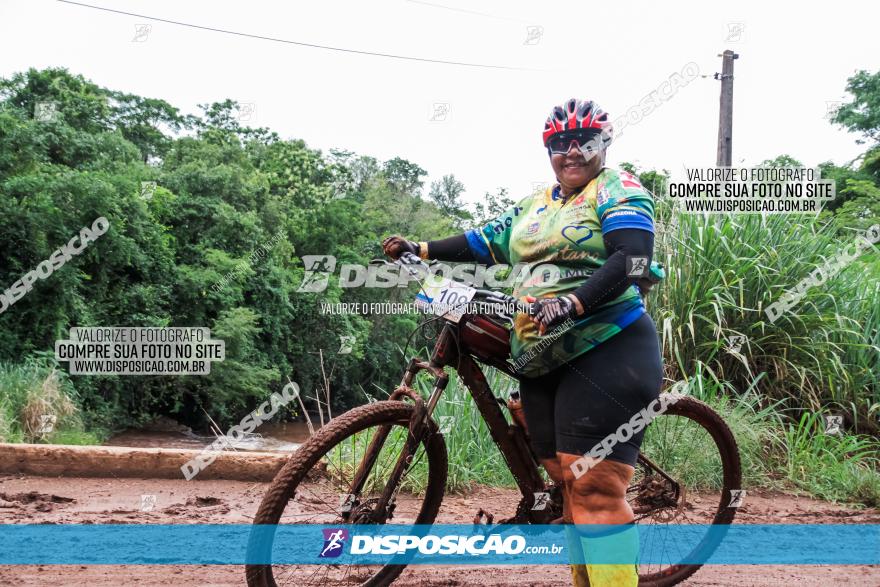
[{"x": 658, "y": 499}]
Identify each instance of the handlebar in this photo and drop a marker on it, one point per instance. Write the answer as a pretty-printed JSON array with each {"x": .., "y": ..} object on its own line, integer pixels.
[
  {"x": 408, "y": 259},
  {"x": 657, "y": 273}
]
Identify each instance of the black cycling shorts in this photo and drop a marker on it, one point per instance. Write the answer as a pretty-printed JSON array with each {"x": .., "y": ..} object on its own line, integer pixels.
[{"x": 574, "y": 407}]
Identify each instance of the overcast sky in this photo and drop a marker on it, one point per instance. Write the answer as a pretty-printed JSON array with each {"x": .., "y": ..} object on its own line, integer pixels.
[{"x": 794, "y": 59}]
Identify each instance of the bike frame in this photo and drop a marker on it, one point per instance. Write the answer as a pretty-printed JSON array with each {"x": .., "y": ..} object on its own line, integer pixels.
[{"x": 510, "y": 438}]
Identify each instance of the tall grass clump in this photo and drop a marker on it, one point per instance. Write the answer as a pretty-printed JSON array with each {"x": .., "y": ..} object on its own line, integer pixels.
[
  {"x": 29, "y": 393},
  {"x": 722, "y": 273},
  {"x": 756, "y": 427}
]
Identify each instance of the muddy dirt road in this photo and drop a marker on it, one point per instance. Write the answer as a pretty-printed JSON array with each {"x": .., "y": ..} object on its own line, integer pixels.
[{"x": 119, "y": 501}]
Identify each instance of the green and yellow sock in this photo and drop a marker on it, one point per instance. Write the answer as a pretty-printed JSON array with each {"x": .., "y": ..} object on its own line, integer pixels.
[{"x": 597, "y": 549}]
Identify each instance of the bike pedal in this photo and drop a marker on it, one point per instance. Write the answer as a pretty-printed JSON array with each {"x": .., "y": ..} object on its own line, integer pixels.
[{"x": 481, "y": 513}]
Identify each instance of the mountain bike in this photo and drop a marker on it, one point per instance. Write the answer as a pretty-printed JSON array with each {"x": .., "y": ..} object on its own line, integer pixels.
[{"x": 353, "y": 470}]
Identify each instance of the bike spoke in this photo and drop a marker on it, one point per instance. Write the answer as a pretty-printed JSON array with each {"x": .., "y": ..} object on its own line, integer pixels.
[
  {"x": 330, "y": 461},
  {"x": 330, "y": 510}
]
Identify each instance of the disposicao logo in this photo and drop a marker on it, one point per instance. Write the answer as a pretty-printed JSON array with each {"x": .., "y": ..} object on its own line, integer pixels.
[{"x": 334, "y": 541}]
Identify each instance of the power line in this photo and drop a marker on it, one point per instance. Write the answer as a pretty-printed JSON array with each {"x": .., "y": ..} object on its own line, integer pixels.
[
  {"x": 301, "y": 44},
  {"x": 464, "y": 10}
]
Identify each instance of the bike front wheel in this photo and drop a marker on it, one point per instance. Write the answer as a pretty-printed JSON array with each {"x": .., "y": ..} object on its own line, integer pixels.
[{"x": 338, "y": 477}]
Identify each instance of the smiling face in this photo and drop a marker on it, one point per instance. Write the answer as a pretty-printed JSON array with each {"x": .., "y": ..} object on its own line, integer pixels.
[{"x": 573, "y": 171}]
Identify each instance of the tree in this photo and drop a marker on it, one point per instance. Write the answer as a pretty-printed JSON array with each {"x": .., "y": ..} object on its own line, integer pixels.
[
  {"x": 146, "y": 122},
  {"x": 781, "y": 161},
  {"x": 79, "y": 104},
  {"x": 857, "y": 188},
  {"x": 655, "y": 181},
  {"x": 846, "y": 180},
  {"x": 446, "y": 195},
  {"x": 403, "y": 176},
  {"x": 352, "y": 173},
  {"x": 184, "y": 254},
  {"x": 861, "y": 209},
  {"x": 862, "y": 113},
  {"x": 492, "y": 206}
]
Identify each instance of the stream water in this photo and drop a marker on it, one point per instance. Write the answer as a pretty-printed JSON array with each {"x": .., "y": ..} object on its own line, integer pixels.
[{"x": 270, "y": 437}]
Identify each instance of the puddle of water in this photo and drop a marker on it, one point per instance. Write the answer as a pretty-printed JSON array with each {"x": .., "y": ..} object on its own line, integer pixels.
[{"x": 270, "y": 437}]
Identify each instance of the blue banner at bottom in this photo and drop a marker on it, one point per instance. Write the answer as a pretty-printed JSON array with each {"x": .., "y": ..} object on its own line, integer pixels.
[{"x": 456, "y": 544}]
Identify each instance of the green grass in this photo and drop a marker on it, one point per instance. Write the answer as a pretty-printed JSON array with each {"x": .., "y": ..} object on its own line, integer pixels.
[
  {"x": 754, "y": 426},
  {"x": 779, "y": 454},
  {"x": 723, "y": 271},
  {"x": 34, "y": 389},
  {"x": 69, "y": 436},
  {"x": 832, "y": 467}
]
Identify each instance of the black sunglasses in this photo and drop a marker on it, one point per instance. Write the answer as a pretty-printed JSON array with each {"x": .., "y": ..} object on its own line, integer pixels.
[{"x": 587, "y": 139}]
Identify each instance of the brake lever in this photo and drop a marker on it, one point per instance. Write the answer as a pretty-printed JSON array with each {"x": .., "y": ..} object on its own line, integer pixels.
[
  {"x": 404, "y": 259},
  {"x": 410, "y": 259}
]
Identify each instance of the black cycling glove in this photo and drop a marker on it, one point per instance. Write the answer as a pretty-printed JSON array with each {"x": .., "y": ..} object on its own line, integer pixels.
[
  {"x": 395, "y": 246},
  {"x": 551, "y": 312}
]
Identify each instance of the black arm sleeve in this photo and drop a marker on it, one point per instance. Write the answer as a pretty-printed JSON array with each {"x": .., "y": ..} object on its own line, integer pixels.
[
  {"x": 611, "y": 280},
  {"x": 454, "y": 248}
]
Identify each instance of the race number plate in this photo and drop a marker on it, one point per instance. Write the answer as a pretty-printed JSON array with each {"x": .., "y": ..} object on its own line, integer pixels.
[{"x": 444, "y": 297}]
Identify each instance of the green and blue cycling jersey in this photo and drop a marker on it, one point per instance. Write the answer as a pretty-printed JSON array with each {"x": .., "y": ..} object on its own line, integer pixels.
[{"x": 545, "y": 229}]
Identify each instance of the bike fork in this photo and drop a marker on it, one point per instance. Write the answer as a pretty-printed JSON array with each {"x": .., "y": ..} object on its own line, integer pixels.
[{"x": 418, "y": 426}]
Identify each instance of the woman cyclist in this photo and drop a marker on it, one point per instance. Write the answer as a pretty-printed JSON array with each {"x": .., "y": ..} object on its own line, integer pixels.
[{"x": 597, "y": 226}]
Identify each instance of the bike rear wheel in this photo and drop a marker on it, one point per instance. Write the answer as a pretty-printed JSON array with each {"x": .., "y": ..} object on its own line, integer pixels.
[
  {"x": 691, "y": 444},
  {"x": 314, "y": 488}
]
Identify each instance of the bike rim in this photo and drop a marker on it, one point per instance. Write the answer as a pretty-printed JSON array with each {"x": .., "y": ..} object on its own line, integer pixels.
[{"x": 696, "y": 450}]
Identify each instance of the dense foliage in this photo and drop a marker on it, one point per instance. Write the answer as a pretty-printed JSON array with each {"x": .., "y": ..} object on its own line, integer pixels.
[{"x": 221, "y": 191}]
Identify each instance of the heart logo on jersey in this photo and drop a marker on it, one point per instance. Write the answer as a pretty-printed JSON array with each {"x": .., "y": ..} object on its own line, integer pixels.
[{"x": 576, "y": 233}]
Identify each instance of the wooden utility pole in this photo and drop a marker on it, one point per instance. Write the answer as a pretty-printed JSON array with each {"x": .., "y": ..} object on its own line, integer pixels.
[{"x": 725, "y": 115}]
